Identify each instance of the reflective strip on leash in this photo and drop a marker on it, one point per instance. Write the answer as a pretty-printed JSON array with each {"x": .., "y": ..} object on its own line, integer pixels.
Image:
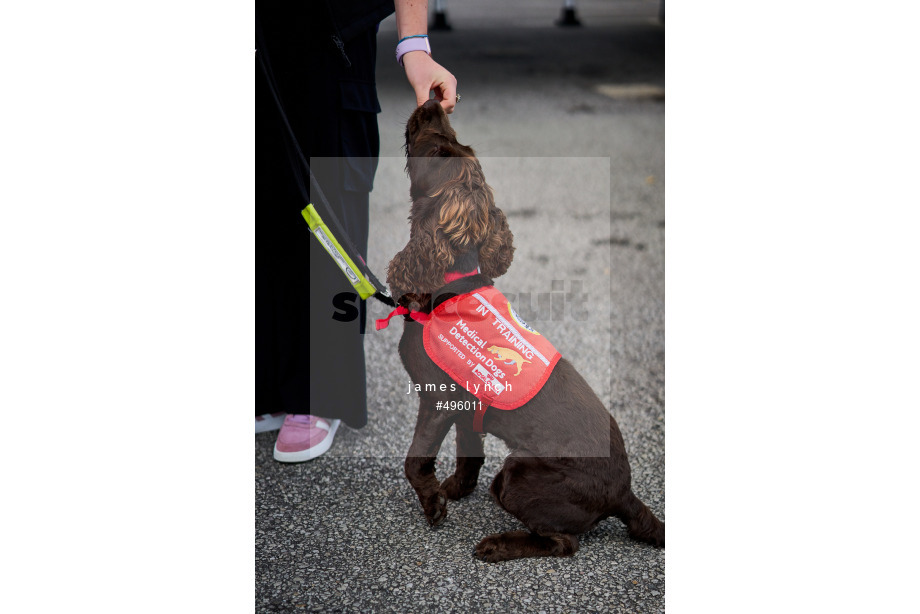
[{"x": 325, "y": 237}]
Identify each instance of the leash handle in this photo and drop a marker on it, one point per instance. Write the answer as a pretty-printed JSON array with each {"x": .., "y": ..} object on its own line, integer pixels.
[{"x": 325, "y": 237}]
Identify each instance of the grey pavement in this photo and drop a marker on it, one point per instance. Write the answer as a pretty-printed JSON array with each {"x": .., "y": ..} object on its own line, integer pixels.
[{"x": 569, "y": 126}]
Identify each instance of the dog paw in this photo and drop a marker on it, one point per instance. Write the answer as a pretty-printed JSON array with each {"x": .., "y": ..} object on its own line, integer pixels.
[
  {"x": 453, "y": 490},
  {"x": 436, "y": 510},
  {"x": 490, "y": 549}
]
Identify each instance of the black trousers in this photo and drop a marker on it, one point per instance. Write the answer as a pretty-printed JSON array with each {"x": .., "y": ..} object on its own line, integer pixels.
[{"x": 307, "y": 360}]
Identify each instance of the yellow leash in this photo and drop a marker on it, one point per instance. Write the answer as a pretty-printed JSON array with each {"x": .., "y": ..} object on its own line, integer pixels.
[{"x": 325, "y": 237}]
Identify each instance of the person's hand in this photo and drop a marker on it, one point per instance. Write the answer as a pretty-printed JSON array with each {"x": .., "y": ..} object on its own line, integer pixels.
[{"x": 424, "y": 75}]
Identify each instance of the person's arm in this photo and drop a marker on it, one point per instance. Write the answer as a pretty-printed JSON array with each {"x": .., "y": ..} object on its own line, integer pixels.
[{"x": 423, "y": 73}]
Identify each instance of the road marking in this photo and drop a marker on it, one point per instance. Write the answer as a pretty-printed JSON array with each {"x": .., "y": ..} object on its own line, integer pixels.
[{"x": 622, "y": 91}]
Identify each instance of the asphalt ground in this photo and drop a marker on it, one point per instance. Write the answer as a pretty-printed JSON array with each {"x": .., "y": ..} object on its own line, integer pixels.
[{"x": 569, "y": 126}]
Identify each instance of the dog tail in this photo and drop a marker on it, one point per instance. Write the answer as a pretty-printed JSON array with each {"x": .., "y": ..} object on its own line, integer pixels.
[{"x": 641, "y": 522}]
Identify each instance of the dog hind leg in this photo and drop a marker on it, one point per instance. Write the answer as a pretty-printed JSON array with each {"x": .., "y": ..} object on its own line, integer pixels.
[
  {"x": 523, "y": 489},
  {"x": 521, "y": 544}
]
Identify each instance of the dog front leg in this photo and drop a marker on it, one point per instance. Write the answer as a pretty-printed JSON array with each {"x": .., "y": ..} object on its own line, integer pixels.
[
  {"x": 430, "y": 429},
  {"x": 470, "y": 458}
]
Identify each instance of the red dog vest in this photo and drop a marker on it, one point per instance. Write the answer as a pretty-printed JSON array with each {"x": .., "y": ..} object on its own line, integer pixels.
[{"x": 485, "y": 347}]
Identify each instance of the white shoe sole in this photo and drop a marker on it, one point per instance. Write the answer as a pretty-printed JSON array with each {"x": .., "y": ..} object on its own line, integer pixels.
[
  {"x": 269, "y": 422},
  {"x": 305, "y": 455}
]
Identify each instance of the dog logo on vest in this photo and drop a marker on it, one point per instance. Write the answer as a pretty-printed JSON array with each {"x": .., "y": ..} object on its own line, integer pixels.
[{"x": 510, "y": 357}]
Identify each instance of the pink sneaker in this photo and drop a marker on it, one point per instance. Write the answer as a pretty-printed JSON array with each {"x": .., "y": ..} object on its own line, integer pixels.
[
  {"x": 303, "y": 437},
  {"x": 269, "y": 422}
]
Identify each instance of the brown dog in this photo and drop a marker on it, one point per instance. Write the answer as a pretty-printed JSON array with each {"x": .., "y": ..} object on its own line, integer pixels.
[{"x": 567, "y": 469}]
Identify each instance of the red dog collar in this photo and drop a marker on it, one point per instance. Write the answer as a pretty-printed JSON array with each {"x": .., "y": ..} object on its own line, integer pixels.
[{"x": 449, "y": 277}]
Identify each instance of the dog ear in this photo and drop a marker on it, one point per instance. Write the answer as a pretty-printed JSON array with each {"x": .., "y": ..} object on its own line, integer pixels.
[
  {"x": 497, "y": 250},
  {"x": 468, "y": 216},
  {"x": 420, "y": 267},
  {"x": 464, "y": 203}
]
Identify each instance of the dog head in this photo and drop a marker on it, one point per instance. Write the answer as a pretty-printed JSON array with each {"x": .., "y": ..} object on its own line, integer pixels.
[{"x": 453, "y": 214}]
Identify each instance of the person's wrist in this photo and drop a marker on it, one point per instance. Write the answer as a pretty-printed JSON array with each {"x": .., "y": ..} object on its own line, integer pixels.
[
  {"x": 414, "y": 58},
  {"x": 417, "y": 42}
]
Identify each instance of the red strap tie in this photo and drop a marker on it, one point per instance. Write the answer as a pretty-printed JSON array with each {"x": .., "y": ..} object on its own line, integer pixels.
[
  {"x": 418, "y": 316},
  {"x": 485, "y": 401}
]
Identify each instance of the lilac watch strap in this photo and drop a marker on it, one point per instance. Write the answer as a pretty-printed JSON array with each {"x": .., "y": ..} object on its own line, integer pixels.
[{"x": 415, "y": 43}]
